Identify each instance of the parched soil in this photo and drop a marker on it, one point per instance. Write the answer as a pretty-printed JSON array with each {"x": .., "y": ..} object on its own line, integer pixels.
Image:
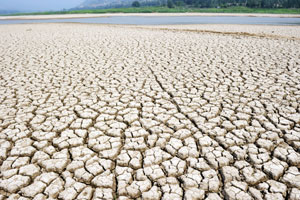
[{"x": 128, "y": 112}]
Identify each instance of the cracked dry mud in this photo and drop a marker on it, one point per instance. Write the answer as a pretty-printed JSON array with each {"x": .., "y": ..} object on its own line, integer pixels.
[{"x": 125, "y": 112}]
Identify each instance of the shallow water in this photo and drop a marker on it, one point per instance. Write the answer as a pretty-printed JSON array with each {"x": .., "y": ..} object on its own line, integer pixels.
[{"x": 165, "y": 20}]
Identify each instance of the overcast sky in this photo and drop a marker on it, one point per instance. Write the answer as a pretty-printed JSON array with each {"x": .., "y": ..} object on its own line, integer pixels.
[{"x": 38, "y": 5}]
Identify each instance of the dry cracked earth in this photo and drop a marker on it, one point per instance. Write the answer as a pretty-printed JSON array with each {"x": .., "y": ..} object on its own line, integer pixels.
[{"x": 125, "y": 112}]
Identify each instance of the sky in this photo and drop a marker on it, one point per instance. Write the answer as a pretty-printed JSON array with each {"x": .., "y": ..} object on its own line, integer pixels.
[{"x": 38, "y": 5}]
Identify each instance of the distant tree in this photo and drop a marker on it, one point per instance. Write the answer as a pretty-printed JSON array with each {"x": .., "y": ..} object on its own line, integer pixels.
[
  {"x": 136, "y": 4},
  {"x": 179, "y": 3},
  {"x": 170, "y": 4},
  {"x": 230, "y": 3},
  {"x": 292, "y": 3},
  {"x": 253, "y": 3}
]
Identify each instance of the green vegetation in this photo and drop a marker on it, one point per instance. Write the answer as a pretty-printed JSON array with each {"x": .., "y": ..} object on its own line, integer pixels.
[
  {"x": 174, "y": 10},
  {"x": 231, "y": 3}
]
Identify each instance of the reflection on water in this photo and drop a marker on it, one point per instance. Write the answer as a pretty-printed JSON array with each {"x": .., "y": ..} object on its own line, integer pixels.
[{"x": 164, "y": 20}]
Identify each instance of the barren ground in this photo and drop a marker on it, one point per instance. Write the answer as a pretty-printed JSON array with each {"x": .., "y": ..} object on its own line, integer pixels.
[{"x": 165, "y": 112}]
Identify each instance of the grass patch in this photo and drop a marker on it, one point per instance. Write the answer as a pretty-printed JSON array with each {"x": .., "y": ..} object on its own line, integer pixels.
[{"x": 172, "y": 10}]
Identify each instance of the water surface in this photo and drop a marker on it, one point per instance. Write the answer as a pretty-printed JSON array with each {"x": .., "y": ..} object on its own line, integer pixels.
[{"x": 166, "y": 20}]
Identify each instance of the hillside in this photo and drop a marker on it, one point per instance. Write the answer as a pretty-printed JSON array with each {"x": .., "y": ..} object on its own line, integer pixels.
[
  {"x": 6, "y": 12},
  {"x": 93, "y": 4},
  {"x": 90, "y": 4}
]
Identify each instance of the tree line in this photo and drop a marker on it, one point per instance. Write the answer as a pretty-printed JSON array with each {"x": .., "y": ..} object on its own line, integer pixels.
[{"x": 221, "y": 3}]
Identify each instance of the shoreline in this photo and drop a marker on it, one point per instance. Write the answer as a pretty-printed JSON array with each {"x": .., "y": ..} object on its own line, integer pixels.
[{"x": 71, "y": 16}]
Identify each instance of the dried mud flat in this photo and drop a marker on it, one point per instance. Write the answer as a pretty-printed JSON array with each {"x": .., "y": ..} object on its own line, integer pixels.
[{"x": 125, "y": 112}]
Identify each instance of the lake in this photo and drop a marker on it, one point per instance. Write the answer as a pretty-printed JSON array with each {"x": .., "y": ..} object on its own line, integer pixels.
[{"x": 165, "y": 20}]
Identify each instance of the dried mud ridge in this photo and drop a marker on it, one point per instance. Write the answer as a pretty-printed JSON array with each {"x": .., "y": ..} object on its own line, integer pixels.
[
  {"x": 108, "y": 112},
  {"x": 243, "y": 34}
]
